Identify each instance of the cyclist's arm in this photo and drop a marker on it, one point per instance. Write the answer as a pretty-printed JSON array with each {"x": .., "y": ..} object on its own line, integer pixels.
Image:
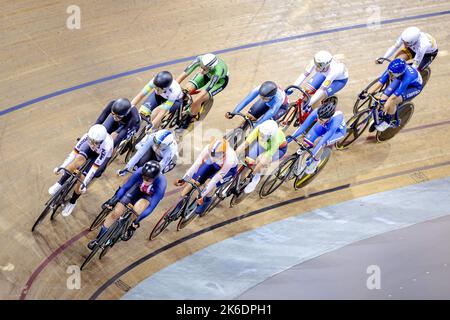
[
  {"x": 198, "y": 162},
  {"x": 134, "y": 122},
  {"x": 381, "y": 81},
  {"x": 156, "y": 198},
  {"x": 389, "y": 52},
  {"x": 420, "y": 53},
  {"x": 105, "y": 113},
  {"x": 167, "y": 156},
  {"x": 252, "y": 136},
  {"x": 103, "y": 156},
  {"x": 132, "y": 180},
  {"x": 331, "y": 130},
  {"x": 252, "y": 95},
  {"x": 189, "y": 69},
  {"x": 229, "y": 163},
  {"x": 74, "y": 152},
  {"x": 309, "y": 68},
  {"x": 305, "y": 125},
  {"x": 403, "y": 85},
  {"x": 273, "y": 110},
  {"x": 141, "y": 151},
  {"x": 219, "y": 73}
]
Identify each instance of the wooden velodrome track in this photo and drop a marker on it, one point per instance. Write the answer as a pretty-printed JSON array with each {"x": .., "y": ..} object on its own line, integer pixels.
[{"x": 41, "y": 56}]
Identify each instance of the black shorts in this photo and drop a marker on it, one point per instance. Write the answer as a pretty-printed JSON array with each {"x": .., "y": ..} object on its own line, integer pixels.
[
  {"x": 91, "y": 156},
  {"x": 427, "y": 58}
]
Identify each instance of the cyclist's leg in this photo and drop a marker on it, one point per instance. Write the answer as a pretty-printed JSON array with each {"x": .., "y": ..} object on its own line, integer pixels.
[
  {"x": 205, "y": 172},
  {"x": 390, "y": 102},
  {"x": 411, "y": 92},
  {"x": 405, "y": 54},
  {"x": 152, "y": 101},
  {"x": 119, "y": 135},
  {"x": 256, "y": 152},
  {"x": 427, "y": 60},
  {"x": 149, "y": 155},
  {"x": 335, "y": 87},
  {"x": 281, "y": 112},
  {"x": 161, "y": 111}
]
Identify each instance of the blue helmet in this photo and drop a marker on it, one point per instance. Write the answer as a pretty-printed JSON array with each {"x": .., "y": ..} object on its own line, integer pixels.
[{"x": 397, "y": 67}]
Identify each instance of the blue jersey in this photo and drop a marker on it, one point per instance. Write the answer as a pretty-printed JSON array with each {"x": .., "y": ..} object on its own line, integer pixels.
[
  {"x": 335, "y": 127},
  {"x": 156, "y": 190},
  {"x": 409, "y": 78},
  {"x": 274, "y": 104}
]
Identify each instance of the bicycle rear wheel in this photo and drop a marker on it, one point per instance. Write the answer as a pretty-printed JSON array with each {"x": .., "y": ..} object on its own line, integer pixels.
[
  {"x": 355, "y": 128},
  {"x": 206, "y": 107},
  {"x": 277, "y": 176},
  {"x": 405, "y": 113},
  {"x": 304, "y": 179}
]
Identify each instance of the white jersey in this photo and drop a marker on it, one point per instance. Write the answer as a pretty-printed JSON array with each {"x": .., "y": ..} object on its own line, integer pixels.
[
  {"x": 104, "y": 150},
  {"x": 225, "y": 163},
  {"x": 336, "y": 71},
  {"x": 171, "y": 93},
  {"x": 425, "y": 44}
]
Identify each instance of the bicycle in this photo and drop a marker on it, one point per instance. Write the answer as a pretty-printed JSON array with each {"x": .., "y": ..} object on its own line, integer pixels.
[
  {"x": 184, "y": 209},
  {"x": 234, "y": 187},
  {"x": 236, "y": 136},
  {"x": 113, "y": 235},
  {"x": 292, "y": 167},
  {"x": 61, "y": 197},
  {"x": 177, "y": 118},
  {"x": 357, "y": 124},
  {"x": 295, "y": 113},
  {"x": 128, "y": 146}
]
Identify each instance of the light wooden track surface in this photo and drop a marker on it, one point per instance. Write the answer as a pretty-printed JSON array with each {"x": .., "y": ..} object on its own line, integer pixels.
[{"x": 40, "y": 56}]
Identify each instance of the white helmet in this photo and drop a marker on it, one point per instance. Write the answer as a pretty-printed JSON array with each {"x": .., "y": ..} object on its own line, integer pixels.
[
  {"x": 267, "y": 129},
  {"x": 322, "y": 59},
  {"x": 410, "y": 35},
  {"x": 97, "y": 134},
  {"x": 208, "y": 61},
  {"x": 163, "y": 138}
]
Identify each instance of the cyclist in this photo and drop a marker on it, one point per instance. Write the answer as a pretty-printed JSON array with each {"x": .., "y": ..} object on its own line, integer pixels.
[
  {"x": 217, "y": 162},
  {"x": 120, "y": 120},
  {"x": 330, "y": 77},
  {"x": 164, "y": 95},
  {"x": 272, "y": 103},
  {"x": 406, "y": 83},
  {"x": 159, "y": 146},
  {"x": 95, "y": 146},
  {"x": 144, "y": 190},
  {"x": 330, "y": 128},
  {"x": 266, "y": 144},
  {"x": 416, "y": 45},
  {"x": 211, "y": 80}
]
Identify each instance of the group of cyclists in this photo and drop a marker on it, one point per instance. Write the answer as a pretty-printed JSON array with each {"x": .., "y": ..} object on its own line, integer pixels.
[{"x": 157, "y": 152}]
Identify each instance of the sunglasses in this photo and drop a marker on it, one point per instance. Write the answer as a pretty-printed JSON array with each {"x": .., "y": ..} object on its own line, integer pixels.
[{"x": 116, "y": 116}]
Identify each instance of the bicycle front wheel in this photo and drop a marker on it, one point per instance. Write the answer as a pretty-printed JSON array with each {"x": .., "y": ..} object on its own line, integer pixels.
[{"x": 277, "y": 177}]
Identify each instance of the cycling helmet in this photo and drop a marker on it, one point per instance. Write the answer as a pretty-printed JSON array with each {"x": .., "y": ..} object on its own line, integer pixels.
[
  {"x": 326, "y": 109},
  {"x": 218, "y": 148},
  {"x": 268, "y": 89},
  {"x": 97, "y": 134},
  {"x": 151, "y": 169},
  {"x": 208, "y": 61},
  {"x": 267, "y": 129},
  {"x": 121, "y": 107},
  {"x": 397, "y": 67},
  {"x": 410, "y": 35},
  {"x": 163, "y": 139},
  {"x": 163, "y": 79},
  {"x": 322, "y": 60}
]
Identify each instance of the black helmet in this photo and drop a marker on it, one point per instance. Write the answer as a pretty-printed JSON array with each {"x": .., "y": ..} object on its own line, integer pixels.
[
  {"x": 327, "y": 108},
  {"x": 151, "y": 169},
  {"x": 121, "y": 107},
  {"x": 268, "y": 89},
  {"x": 163, "y": 79}
]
